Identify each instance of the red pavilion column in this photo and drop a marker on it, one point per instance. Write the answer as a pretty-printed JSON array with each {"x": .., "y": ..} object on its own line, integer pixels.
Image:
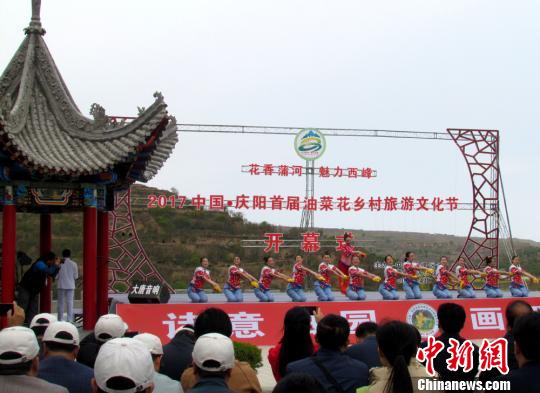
[
  {"x": 45, "y": 246},
  {"x": 9, "y": 244},
  {"x": 89, "y": 259},
  {"x": 102, "y": 263}
]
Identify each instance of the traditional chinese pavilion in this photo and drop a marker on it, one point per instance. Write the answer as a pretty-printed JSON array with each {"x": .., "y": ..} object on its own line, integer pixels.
[{"x": 54, "y": 159}]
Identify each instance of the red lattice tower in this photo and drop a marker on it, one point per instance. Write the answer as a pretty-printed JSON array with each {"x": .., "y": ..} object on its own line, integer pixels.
[
  {"x": 480, "y": 148},
  {"x": 128, "y": 261}
]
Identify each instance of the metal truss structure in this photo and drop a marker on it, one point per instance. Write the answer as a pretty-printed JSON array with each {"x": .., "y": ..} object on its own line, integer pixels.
[{"x": 480, "y": 149}]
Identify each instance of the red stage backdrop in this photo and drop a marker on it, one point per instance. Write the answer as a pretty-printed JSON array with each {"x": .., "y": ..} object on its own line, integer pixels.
[{"x": 261, "y": 323}]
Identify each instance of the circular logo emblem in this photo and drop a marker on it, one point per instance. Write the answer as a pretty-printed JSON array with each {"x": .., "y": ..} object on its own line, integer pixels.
[
  {"x": 424, "y": 318},
  {"x": 310, "y": 144}
]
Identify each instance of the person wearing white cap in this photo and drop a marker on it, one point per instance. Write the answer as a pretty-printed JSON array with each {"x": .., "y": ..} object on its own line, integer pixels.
[
  {"x": 39, "y": 324},
  {"x": 123, "y": 365},
  {"x": 107, "y": 327},
  {"x": 61, "y": 342},
  {"x": 213, "y": 360},
  {"x": 19, "y": 362},
  {"x": 162, "y": 383}
]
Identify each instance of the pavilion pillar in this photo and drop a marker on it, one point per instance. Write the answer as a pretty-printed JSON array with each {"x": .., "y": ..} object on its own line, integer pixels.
[
  {"x": 89, "y": 259},
  {"x": 9, "y": 244},
  {"x": 45, "y": 246},
  {"x": 102, "y": 263}
]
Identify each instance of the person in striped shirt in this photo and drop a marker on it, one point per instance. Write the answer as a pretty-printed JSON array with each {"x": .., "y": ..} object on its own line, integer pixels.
[
  {"x": 268, "y": 273},
  {"x": 492, "y": 278},
  {"x": 517, "y": 285},
  {"x": 295, "y": 289},
  {"x": 465, "y": 289},
  {"x": 388, "y": 288},
  {"x": 355, "y": 291},
  {"x": 323, "y": 288},
  {"x": 233, "y": 288},
  {"x": 442, "y": 277},
  {"x": 200, "y": 277}
]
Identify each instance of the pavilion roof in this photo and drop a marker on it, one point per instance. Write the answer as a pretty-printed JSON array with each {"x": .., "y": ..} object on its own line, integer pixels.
[{"x": 42, "y": 128}]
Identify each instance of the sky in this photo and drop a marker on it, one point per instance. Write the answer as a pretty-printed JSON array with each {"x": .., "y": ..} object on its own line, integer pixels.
[{"x": 403, "y": 65}]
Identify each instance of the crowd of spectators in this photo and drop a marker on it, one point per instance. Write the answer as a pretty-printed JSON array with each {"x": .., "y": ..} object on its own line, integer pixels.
[{"x": 49, "y": 355}]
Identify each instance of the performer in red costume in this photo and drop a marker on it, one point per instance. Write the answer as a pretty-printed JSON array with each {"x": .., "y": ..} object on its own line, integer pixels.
[{"x": 345, "y": 259}]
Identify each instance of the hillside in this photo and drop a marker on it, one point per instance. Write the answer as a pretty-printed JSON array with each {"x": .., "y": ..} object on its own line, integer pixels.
[{"x": 175, "y": 239}]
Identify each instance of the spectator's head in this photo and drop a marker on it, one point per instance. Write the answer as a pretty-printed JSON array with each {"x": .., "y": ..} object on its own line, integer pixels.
[
  {"x": 204, "y": 262},
  {"x": 298, "y": 382},
  {"x": 66, "y": 253},
  {"x": 389, "y": 260},
  {"x": 526, "y": 333},
  {"x": 398, "y": 343},
  {"x": 451, "y": 318},
  {"x": 61, "y": 339},
  {"x": 296, "y": 342},
  {"x": 213, "y": 356},
  {"x": 186, "y": 330},
  {"x": 269, "y": 261},
  {"x": 364, "y": 330},
  {"x": 409, "y": 256},
  {"x": 123, "y": 365},
  {"x": 213, "y": 320},
  {"x": 153, "y": 343},
  {"x": 48, "y": 257},
  {"x": 19, "y": 351},
  {"x": 516, "y": 309},
  {"x": 333, "y": 332},
  {"x": 110, "y": 326},
  {"x": 41, "y": 322}
]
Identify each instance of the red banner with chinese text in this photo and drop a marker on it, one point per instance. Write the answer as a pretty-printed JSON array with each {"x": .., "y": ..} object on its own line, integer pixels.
[{"x": 261, "y": 323}]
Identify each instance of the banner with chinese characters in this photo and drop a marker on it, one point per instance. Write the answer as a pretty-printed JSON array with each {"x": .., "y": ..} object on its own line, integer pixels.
[{"x": 262, "y": 323}]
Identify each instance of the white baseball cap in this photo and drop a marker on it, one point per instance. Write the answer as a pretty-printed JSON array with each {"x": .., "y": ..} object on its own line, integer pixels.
[
  {"x": 126, "y": 358},
  {"x": 43, "y": 319},
  {"x": 62, "y": 333},
  {"x": 18, "y": 345},
  {"x": 152, "y": 342},
  {"x": 216, "y": 347},
  {"x": 109, "y": 326}
]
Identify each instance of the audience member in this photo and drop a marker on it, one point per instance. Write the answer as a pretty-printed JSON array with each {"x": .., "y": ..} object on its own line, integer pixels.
[
  {"x": 398, "y": 343},
  {"x": 19, "y": 362},
  {"x": 365, "y": 349},
  {"x": 61, "y": 342},
  {"x": 336, "y": 371},
  {"x": 177, "y": 353},
  {"x": 298, "y": 382},
  {"x": 39, "y": 324},
  {"x": 123, "y": 365},
  {"x": 162, "y": 383},
  {"x": 243, "y": 378},
  {"x": 107, "y": 327},
  {"x": 452, "y": 318},
  {"x": 295, "y": 344},
  {"x": 16, "y": 316},
  {"x": 213, "y": 361},
  {"x": 526, "y": 332}
]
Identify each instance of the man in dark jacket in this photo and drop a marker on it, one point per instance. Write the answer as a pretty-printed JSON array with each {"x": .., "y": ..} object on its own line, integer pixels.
[
  {"x": 330, "y": 366},
  {"x": 177, "y": 353},
  {"x": 33, "y": 281},
  {"x": 526, "y": 333},
  {"x": 365, "y": 350}
]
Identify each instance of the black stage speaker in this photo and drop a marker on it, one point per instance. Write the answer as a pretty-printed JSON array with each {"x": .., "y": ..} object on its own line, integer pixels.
[{"x": 144, "y": 292}]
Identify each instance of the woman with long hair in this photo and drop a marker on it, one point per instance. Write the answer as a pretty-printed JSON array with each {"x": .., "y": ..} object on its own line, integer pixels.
[
  {"x": 398, "y": 343},
  {"x": 295, "y": 344}
]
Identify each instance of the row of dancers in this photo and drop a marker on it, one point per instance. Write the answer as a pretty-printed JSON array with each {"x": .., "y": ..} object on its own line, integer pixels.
[{"x": 351, "y": 279}]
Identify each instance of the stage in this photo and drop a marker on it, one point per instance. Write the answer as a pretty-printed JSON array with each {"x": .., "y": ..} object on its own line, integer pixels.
[{"x": 261, "y": 323}]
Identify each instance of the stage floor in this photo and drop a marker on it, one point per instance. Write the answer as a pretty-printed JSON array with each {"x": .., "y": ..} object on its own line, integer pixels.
[{"x": 249, "y": 297}]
